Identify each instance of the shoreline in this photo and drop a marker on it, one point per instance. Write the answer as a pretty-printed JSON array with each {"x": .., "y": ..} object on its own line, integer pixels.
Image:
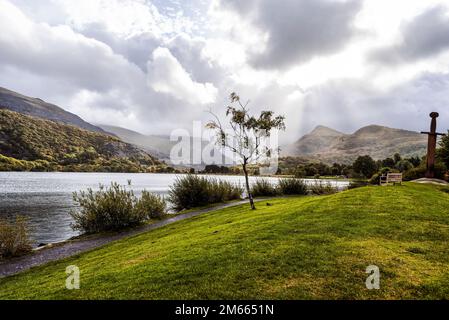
[
  {"x": 69, "y": 248},
  {"x": 46, "y": 198}
]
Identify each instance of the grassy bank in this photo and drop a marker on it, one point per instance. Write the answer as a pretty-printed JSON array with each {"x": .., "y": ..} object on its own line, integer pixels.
[{"x": 297, "y": 248}]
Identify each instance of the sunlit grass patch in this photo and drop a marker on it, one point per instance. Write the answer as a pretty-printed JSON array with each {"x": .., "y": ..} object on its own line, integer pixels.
[{"x": 309, "y": 247}]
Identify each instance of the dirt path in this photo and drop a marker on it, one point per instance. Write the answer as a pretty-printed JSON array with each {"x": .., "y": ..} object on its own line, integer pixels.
[{"x": 74, "y": 247}]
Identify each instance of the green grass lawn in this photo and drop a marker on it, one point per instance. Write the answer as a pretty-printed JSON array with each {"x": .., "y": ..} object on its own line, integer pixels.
[{"x": 298, "y": 248}]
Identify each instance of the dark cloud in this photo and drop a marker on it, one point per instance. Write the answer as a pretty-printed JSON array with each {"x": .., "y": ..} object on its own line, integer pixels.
[
  {"x": 298, "y": 30},
  {"x": 423, "y": 37},
  {"x": 137, "y": 49},
  {"x": 189, "y": 52}
]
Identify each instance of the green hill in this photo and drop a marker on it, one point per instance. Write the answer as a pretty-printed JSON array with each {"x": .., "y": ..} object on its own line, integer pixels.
[
  {"x": 36, "y": 107},
  {"x": 29, "y": 143},
  {"x": 297, "y": 248}
]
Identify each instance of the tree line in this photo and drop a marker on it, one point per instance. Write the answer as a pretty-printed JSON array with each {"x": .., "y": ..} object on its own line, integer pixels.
[{"x": 365, "y": 167}]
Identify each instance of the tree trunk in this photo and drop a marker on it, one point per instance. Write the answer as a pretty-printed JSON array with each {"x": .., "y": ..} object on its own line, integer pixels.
[{"x": 248, "y": 189}]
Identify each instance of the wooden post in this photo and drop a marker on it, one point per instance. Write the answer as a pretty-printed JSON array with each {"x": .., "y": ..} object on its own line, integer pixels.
[{"x": 431, "y": 145}]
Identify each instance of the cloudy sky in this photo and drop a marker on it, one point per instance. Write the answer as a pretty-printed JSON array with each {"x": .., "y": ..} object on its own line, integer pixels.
[{"x": 153, "y": 66}]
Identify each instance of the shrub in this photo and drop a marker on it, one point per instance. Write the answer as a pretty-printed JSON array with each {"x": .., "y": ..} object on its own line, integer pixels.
[
  {"x": 375, "y": 179},
  {"x": 357, "y": 184},
  {"x": 14, "y": 238},
  {"x": 221, "y": 191},
  {"x": 151, "y": 206},
  {"x": 386, "y": 170},
  {"x": 365, "y": 165},
  {"x": 192, "y": 191},
  {"x": 354, "y": 175},
  {"x": 419, "y": 172},
  {"x": 188, "y": 192},
  {"x": 113, "y": 208},
  {"x": 300, "y": 173},
  {"x": 404, "y": 165},
  {"x": 292, "y": 186},
  {"x": 415, "y": 173},
  {"x": 321, "y": 188},
  {"x": 263, "y": 188}
]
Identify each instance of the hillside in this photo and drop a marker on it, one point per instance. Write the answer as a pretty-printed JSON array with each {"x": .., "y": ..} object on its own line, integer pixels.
[
  {"x": 29, "y": 143},
  {"x": 296, "y": 248},
  {"x": 159, "y": 145},
  {"x": 329, "y": 146},
  {"x": 38, "y": 108},
  {"x": 316, "y": 141}
]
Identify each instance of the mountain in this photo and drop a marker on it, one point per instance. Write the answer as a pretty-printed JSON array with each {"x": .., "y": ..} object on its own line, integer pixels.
[
  {"x": 38, "y": 108},
  {"x": 159, "y": 145},
  {"x": 314, "y": 142},
  {"x": 329, "y": 146},
  {"x": 30, "y": 143}
]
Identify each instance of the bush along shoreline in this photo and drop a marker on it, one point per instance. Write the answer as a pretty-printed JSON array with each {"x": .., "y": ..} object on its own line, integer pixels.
[
  {"x": 115, "y": 207},
  {"x": 291, "y": 186},
  {"x": 14, "y": 238},
  {"x": 194, "y": 191}
]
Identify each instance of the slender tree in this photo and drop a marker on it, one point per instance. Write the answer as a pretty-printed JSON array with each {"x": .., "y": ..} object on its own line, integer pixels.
[{"x": 246, "y": 134}]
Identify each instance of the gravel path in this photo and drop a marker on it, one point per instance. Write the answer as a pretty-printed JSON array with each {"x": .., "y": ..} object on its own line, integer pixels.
[{"x": 74, "y": 247}]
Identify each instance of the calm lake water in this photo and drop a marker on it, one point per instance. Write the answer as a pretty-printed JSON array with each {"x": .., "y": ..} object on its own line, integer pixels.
[{"x": 45, "y": 198}]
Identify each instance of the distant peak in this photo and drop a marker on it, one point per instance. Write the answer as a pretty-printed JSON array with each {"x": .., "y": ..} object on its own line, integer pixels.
[
  {"x": 373, "y": 128},
  {"x": 320, "y": 127},
  {"x": 323, "y": 130}
]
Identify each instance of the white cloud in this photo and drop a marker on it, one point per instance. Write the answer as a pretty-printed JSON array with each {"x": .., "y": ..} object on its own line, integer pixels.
[{"x": 166, "y": 75}]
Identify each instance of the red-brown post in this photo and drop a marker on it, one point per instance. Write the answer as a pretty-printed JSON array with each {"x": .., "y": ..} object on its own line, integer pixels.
[{"x": 432, "y": 145}]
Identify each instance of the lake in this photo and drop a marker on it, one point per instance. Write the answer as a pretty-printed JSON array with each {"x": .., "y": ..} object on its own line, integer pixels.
[{"x": 45, "y": 198}]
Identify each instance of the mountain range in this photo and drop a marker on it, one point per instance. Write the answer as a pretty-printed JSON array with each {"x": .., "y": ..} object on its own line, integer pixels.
[
  {"x": 157, "y": 145},
  {"x": 161, "y": 145},
  {"x": 322, "y": 144},
  {"x": 329, "y": 145}
]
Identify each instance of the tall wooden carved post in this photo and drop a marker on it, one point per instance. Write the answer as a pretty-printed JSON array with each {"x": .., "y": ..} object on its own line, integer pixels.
[{"x": 431, "y": 145}]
